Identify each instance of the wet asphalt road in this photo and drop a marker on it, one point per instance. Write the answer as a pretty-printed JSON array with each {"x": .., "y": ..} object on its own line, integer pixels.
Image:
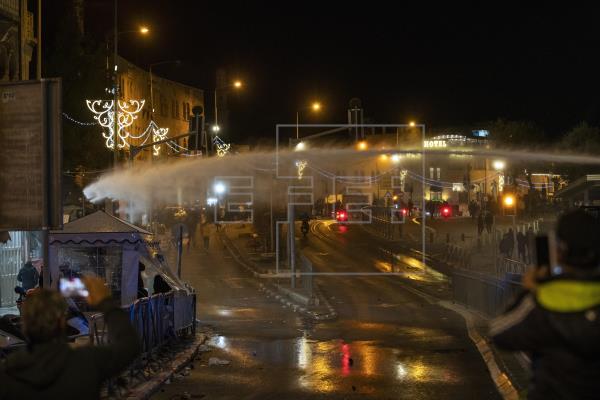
[{"x": 387, "y": 342}]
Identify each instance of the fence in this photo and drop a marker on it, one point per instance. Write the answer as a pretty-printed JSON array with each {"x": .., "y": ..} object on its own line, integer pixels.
[
  {"x": 483, "y": 293},
  {"x": 12, "y": 257},
  {"x": 157, "y": 319}
]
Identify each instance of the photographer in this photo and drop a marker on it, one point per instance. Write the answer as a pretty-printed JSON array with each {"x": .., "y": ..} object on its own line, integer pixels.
[
  {"x": 49, "y": 368},
  {"x": 557, "y": 319}
]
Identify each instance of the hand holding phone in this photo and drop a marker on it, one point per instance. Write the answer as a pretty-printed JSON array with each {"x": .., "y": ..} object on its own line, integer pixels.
[{"x": 73, "y": 287}]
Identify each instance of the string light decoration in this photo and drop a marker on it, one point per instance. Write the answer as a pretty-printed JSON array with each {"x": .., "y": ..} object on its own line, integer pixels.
[
  {"x": 67, "y": 116},
  {"x": 301, "y": 165},
  {"x": 104, "y": 114},
  {"x": 222, "y": 147}
]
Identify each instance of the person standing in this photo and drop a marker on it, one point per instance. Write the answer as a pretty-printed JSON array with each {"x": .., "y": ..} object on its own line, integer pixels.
[
  {"x": 555, "y": 320},
  {"x": 521, "y": 246},
  {"x": 480, "y": 224},
  {"x": 28, "y": 276},
  {"x": 489, "y": 221},
  {"x": 48, "y": 368},
  {"x": 206, "y": 236}
]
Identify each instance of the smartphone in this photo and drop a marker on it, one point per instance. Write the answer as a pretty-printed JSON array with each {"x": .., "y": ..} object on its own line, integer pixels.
[
  {"x": 542, "y": 252},
  {"x": 545, "y": 253},
  {"x": 73, "y": 287}
]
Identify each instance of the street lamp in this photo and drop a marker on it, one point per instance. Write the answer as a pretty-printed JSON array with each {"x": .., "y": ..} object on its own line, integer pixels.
[
  {"x": 510, "y": 202},
  {"x": 237, "y": 84},
  {"x": 219, "y": 188},
  {"x": 300, "y": 146},
  {"x": 315, "y": 107},
  {"x": 498, "y": 165}
]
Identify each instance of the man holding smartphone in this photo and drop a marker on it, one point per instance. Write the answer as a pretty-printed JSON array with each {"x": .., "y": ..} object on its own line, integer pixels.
[
  {"x": 557, "y": 318},
  {"x": 49, "y": 368}
]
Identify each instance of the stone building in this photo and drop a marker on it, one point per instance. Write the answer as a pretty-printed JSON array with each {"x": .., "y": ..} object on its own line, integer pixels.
[
  {"x": 168, "y": 103},
  {"x": 20, "y": 42}
]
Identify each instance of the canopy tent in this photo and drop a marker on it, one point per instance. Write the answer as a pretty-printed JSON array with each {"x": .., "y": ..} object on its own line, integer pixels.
[{"x": 110, "y": 248}]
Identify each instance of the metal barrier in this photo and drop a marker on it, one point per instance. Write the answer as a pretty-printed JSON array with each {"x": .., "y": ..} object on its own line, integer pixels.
[
  {"x": 157, "y": 319},
  {"x": 457, "y": 256},
  {"x": 509, "y": 266},
  {"x": 486, "y": 294}
]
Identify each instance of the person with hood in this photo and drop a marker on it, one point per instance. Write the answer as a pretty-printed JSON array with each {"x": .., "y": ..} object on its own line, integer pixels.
[
  {"x": 28, "y": 276},
  {"x": 51, "y": 369},
  {"x": 557, "y": 319}
]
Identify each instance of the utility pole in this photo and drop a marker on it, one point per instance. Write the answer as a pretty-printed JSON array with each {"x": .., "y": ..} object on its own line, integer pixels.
[{"x": 115, "y": 98}]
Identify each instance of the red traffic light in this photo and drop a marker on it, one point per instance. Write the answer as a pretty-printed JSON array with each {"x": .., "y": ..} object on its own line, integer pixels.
[
  {"x": 446, "y": 211},
  {"x": 341, "y": 216},
  {"x": 404, "y": 211}
]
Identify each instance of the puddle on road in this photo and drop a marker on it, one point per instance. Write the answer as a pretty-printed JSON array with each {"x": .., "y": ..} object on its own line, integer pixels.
[{"x": 329, "y": 366}]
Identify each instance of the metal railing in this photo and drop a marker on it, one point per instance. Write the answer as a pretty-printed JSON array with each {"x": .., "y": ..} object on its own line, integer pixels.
[
  {"x": 157, "y": 319},
  {"x": 485, "y": 294}
]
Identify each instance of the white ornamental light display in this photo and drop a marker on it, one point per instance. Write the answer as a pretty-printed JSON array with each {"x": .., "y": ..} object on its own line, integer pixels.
[
  {"x": 104, "y": 114},
  {"x": 301, "y": 165},
  {"x": 222, "y": 147}
]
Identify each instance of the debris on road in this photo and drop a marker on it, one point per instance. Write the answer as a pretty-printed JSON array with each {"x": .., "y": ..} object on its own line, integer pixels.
[{"x": 217, "y": 361}]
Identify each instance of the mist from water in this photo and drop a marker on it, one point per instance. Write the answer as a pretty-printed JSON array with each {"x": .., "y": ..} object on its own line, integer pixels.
[{"x": 168, "y": 183}]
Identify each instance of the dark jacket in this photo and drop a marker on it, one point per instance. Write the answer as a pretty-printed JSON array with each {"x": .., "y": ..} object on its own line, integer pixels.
[
  {"x": 57, "y": 371},
  {"x": 28, "y": 276},
  {"x": 559, "y": 326}
]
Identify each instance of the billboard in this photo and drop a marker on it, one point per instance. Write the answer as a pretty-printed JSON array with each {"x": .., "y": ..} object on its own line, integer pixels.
[{"x": 30, "y": 155}]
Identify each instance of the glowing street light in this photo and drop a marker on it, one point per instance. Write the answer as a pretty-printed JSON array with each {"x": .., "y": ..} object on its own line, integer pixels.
[
  {"x": 362, "y": 145},
  {"x": 396, "y": 158},
  {"x": 237, "y": 84},
  {"x": 219, "y": 188},
  {"x": 216, "y": 128},
  {"x": 499, "y": 165},
  {"x": 315, "y": 107},
  {"x": 383, "y": 157},
  {"x": 509, "y": 200},
  {"x": 144, "y": 30},
  {"x": 412, "y": 124},
  {"x": 301, "y": 146}
]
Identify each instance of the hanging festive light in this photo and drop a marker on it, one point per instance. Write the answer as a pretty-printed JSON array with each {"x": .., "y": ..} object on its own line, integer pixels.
[
  {"x": 301, "y": 165},
  {"x": 222, "y": 147},
  {"x": 104, "y": 114}
]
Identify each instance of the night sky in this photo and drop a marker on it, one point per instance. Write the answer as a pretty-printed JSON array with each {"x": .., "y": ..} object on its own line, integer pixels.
[{"x": 441, "y": 66}]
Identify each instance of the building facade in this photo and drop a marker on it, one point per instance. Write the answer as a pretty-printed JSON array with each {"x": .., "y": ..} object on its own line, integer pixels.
[
  {"x": 167, "y": 103},
  {"x": 20, "y": 43}
]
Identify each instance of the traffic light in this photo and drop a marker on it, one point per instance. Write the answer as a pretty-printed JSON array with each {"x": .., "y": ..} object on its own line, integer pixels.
[{"x": 446, "y": 211}]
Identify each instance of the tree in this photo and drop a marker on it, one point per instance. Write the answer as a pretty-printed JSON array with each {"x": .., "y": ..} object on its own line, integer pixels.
[
  {"x": 582, "y": 139},
  {"x": 515, "y": 133}
]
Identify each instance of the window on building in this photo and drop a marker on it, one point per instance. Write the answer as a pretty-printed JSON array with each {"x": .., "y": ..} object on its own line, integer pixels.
[
  {"x": 431, "y": 173},
  {"x": 439, "y": 173}
]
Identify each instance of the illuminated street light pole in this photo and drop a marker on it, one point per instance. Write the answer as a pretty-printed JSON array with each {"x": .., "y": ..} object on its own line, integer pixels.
[
  {"x": 509, "y": 202},
  {"x": 237, "y": 85},
  {"x": 315, "y": 106}
]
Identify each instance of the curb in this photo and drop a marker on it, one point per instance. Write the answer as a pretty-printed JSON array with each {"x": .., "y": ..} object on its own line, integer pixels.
[
  {"x": 502, "y": 382},
  {"x": 273, "y": 290},
  {"x": 147, "y": 389}
]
